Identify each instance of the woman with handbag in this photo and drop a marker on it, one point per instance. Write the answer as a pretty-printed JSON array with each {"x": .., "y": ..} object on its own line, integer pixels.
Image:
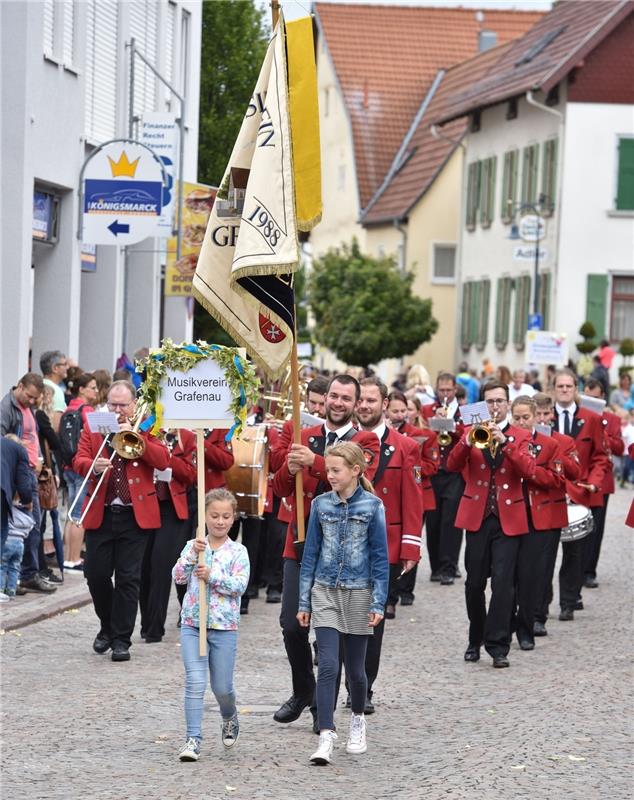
[{"x": 48, "y": 484}]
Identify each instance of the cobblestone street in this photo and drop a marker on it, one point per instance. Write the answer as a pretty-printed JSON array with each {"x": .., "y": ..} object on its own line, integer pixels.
[{"x": 557, "y": 725}]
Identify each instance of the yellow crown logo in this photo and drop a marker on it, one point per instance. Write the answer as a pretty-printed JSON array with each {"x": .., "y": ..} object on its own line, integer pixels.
[{"x": 123, "y": 167}]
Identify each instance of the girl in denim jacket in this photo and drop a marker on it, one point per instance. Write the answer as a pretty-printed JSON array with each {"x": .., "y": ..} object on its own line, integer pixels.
[{"x": 343, "y": 587}]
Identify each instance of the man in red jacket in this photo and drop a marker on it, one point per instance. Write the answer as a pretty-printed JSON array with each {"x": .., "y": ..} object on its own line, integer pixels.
[
  {"x": 308, "y": 457},
  {"x": 122, "y": 516},
  {"x": 493, "y": 512},
  {"x": 397, "y": 482},
  {"x": 615, "y": 446},
  {"x": 586, "y": 429}
]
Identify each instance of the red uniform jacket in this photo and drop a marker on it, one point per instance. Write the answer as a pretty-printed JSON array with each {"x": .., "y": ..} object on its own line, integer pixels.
[
  {"x": 614, "y": 445},
  {"x": 140, "y": 475},
  {"x": 218, "y": 457},
  {"x": 397, "y": 482},
  {"x": 587, "y": 431},
  {"x": 514, "y": 463},
  {"x": 279, "y": 443},
  {"x": 183, "y": 464},
  {"x": 429, "y": 462},
  {"x": 315, "y": 480},
  {"x": 571, "y": 469},
  {"x": 547, "y": 490}
]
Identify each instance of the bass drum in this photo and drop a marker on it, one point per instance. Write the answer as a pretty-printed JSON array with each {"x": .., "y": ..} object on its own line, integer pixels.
[
  {"x": 248, "y": 477},
  {"x": 580, "y": 524}
]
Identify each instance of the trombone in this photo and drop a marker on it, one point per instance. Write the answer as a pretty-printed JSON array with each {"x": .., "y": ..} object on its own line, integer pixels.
[{"x": 126, "y": 444}]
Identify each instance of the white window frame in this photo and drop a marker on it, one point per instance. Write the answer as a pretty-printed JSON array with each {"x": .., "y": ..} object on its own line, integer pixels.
[
  {"x": 439, "y": 281},
  {"x": 56, "y": 56}
]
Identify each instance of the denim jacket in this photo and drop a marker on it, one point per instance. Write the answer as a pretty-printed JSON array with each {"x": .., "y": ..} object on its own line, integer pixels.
[{"x": 346, "y": 546}]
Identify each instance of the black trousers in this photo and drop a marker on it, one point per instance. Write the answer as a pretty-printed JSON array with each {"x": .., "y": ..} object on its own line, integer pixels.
[
  {"x": 161, "y": 553},
  {"x": 116, "y": 549},
  {"x": 273, "y": 572},
  {"x": 489, "y": 552},
  {"x": 375, "y": 642},
  {"x": 444, "y": 540},
  {"x": 593, "y": 541},
  {"x": 571, "y": 572},
  {"x": 402, "y": 587},
  {"x": 296, "y": 643},
  {"x": 532, "y": 562},
  {"x": 545, "y": 576}
]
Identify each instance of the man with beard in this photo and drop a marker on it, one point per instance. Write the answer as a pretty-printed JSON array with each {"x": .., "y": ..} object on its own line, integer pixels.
[
  {"x": 308, "y": 457},
  {"x": 397, "y": 482}
]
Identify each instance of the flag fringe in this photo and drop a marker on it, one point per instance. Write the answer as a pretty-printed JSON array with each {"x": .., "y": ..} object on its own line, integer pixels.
[{"x": 308, "y": 224}]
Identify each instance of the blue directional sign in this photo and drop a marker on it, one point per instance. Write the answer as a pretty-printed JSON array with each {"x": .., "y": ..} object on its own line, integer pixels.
[{"x": 535, "y": 322}]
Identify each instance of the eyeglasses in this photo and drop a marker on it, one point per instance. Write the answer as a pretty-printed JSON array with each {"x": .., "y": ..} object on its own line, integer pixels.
[
  {"x": 498, "y": 401},
  {"x": 61, "y": 364},
  {"x": 115, "y": 406}
]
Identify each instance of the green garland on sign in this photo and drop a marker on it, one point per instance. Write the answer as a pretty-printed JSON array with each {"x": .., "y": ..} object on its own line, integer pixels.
[{"x": 239, "y": 373}]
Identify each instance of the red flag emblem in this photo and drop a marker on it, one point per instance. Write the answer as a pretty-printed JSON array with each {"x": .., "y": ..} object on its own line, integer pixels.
[{"x": 271, "y": 331}]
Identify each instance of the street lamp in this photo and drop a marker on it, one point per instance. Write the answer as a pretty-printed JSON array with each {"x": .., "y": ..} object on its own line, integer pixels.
[{"x": 531, "y": 230}]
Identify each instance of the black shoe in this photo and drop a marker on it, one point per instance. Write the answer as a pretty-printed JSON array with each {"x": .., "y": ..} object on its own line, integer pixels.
[
  {"x": 50, "y": 577},
  {"x": 578, "y": 606},
  {"x": 590, "y": 583},
  {"x": 390, "y": 611},
  {"x": 499, "y": 662},
  {"x": 472, "y": 653},
  {"x": 369, "y": 705},
  {"x": 316, "y": 655},
  {"x": 152, "y": 639},
  {"x": 101, "y": 644},
  {"x": 447, "y": 580},
  {"x": 38, "y": 584},
  {"x": 539, "y": 629},
  {"x": 253, "y": 593},
  {"x": 526, "y": 644},
  {"x": 273, "y": 596},
  {"x": 292, "y": 709},
  {"x": 435, "y": 577},
  {"x": 244, "y": 605},
  {"x": 407, "y": 601},
  {"x": 566, "y": 614},
  {"x": 120, "y": 652}
]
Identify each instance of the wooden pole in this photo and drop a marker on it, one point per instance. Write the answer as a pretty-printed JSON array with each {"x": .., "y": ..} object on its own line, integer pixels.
[
  {"x": 275, "y": 12},
  {"x": 297, "y": 437},
  {"x": 200, "y": 534}
]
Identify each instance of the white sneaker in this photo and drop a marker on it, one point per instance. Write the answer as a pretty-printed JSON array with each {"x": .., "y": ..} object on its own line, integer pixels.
[
  {"x": 323, "y": 753},
  {"x": 4, "y": 598},
  {"x": 356, "y": 743},
  {"x": 191, "y": 751}
]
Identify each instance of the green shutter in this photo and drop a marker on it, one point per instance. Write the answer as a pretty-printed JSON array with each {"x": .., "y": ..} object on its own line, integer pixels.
[
  {"x": 549, "y": 176},
  {"x": 502, "y": 305},
  {"x": 483, "y": 314},
  {"x": 474, "y": 311},
  {"x": 522, "y": 304},
  {"x": 625, "y": 185},
  {"x": 464, "y": 322},
  {"x": 596, "y": 303},
  {"x": 473, "y": 193},
  {"x": 493, "y": 162},
  {"x": 505, "y": 209},
  {"x": 544, "y": 298}
]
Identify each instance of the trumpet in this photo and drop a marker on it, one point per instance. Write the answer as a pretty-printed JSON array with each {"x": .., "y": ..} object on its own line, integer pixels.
[
  {"x": 444, "y": 437},
  {"x": 481, "y": 437},
  {"x": 126, "y": 444}
]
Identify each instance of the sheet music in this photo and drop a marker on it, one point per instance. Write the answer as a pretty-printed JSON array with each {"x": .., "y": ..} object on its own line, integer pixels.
[
  {"x": 103, "y": 422},
  {"x": 545, "y": 430},
  {"x": 473, "y": 413},
  {"x": 439, "y": 424},
  {"x": 594, "y": 404}
]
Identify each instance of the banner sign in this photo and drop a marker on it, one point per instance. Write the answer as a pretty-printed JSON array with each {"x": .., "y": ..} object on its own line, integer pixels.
[
  {"x": 160, "y": 132},
  {"x": 198, "y": 398},
  {"x": 546, "y": 347}
]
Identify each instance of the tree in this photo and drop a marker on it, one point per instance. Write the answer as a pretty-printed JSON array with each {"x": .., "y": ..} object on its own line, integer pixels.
[
  {"x": 234, "y": 42},
  {"x": 364, "y": 308}
]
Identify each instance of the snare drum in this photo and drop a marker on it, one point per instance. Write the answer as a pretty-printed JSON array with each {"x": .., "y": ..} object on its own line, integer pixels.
[
  {"x": 580, "y": 524},
  {"x": 248, "y": 476}
]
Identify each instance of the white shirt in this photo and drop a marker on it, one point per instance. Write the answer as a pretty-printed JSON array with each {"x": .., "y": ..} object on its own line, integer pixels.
[
  {"x": 560, "y": 417},
  {"x": 380, "y": 430},
  {"x": 525, "y": 389},
  {"x": 339, "y": 432}
]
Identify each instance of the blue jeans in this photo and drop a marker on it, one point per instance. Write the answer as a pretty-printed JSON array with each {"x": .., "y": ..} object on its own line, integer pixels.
[
  {"x": 74, "y": 482},
  {"x": 31, "y": 558},
  {"x": 58, "y": 540},
  {"x": 12, "y": 552},
  {"x": 220, "y": 662}
]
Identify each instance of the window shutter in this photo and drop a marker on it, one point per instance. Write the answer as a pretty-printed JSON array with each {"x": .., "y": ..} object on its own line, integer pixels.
[
  {"x": 505, "y": 208},
  {"x": 492, "y": 176},
  {"x": 549, "y": 176},
  {"x": 466, "y": 308},
  {"x": 625, "y": 184},
  {"x": 101, "y": 69},
  {"x": 474, "y": 312},
  {"x": 48, "y": 18},
  {"x": 502, "y": 312},
  {"x": 68, "y": 39},
  {"x": 544, "y": 298},
  {"x": 522, "y": 304},
  {"x": 483, "y": 314},
  {"x": 530, "y": 172},
  {"x": 473, "y": 194},
  {"x": 143, "y": 27},
  {"x": 596, "y": 303}
]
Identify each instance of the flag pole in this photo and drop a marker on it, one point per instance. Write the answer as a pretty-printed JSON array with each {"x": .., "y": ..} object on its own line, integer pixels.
[{"x": 275, "y": 12}]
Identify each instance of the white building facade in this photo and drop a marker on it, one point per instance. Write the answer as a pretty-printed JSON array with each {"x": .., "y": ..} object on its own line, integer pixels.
[{"x": 66, "y": 90}]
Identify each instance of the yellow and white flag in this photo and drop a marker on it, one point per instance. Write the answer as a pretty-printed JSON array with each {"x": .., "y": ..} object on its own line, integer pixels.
[{"x": 250, "y": 251}]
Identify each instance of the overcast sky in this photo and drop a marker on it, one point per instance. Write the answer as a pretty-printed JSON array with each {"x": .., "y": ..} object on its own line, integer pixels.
[{"x": 300, "y": 8}]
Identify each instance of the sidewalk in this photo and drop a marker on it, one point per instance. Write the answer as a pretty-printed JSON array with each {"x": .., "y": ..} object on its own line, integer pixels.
[{"x": 35, "y": 606}]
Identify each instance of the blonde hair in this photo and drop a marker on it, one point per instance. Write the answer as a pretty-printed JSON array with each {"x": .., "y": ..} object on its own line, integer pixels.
[
  {"x": 221, "y": 495},
  {"x": 417, "y": 374},
  {"x": 354, "y": 456}
]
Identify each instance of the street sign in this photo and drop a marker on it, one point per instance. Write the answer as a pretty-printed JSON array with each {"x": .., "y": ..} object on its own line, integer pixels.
[
  {"x": 523, "y": 253},
  {"x": 159, "y": 131},
  {"x": 535, "y": 322},
  {"x": 122, "y": 195},
  {"x": 532, "y": 228}
]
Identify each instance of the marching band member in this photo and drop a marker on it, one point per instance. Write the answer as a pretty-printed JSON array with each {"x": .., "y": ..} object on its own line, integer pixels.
[
  {"x": 218, "y": 458},
  {"x": 396, "y": 414},
  {"x": 397, "y": 483},
  {"x": 586, "y": 429},
  {"x": 571, "y": 470},
  {"x": 545, "y": 519},
  {"x": 172, "y": 486},
  {"x": 493, "y": 512},
  {"x": 124, "y": 514},
  {"x": 614, "y": 445},
  {"x": 341, "y": 400},
  {"x": 444, "y": 539}
]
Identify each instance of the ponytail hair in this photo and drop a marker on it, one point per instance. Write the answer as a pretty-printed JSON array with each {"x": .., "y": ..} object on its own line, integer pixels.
[{"x": 353, "y": 455}]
